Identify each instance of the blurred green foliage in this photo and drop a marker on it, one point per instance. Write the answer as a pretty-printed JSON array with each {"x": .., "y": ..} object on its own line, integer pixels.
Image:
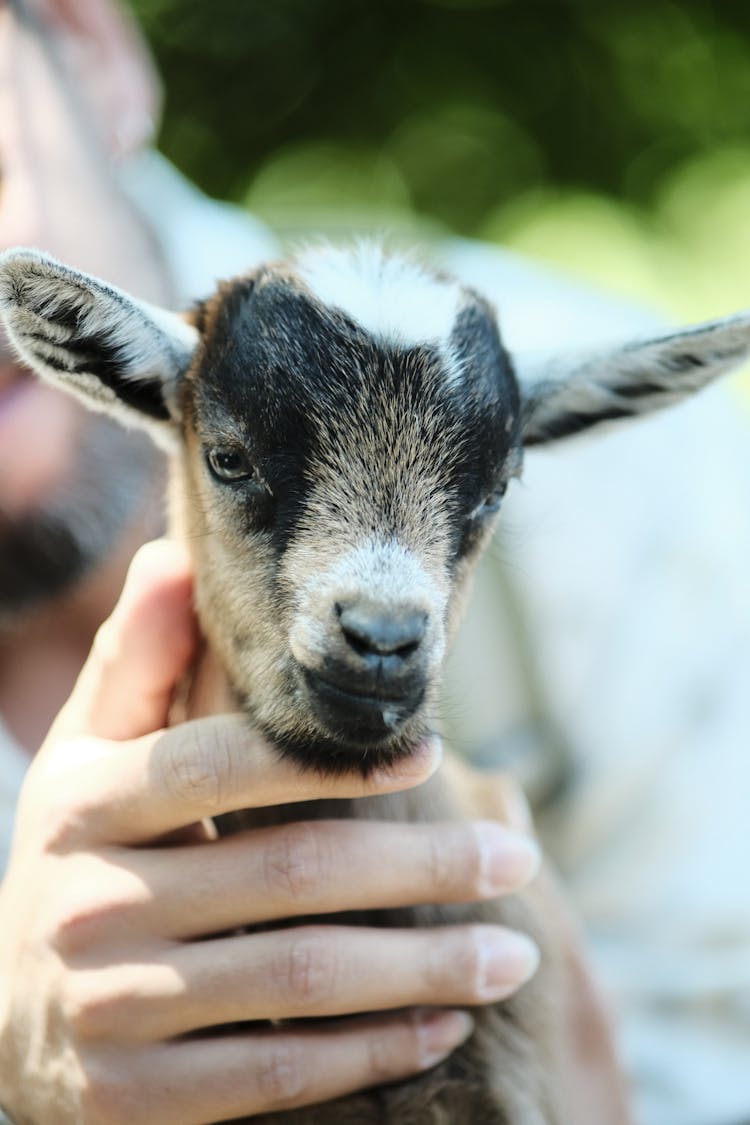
[{"x": 609, "y": 137}]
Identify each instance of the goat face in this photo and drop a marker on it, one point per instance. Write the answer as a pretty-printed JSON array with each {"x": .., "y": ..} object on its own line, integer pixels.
[
  {"x": 345, "y": 475},
  {"x": 344, "y": 428}
]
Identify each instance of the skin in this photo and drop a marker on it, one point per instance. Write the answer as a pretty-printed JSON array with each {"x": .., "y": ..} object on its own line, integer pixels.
[
  {"x": 115, "y": 872},
  {"x": 114, "y": 867},
  {"x": 73, "y": 904}
]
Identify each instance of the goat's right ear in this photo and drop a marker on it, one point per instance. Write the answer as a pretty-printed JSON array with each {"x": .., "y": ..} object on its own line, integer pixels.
[
  {"x": 117, "y": 354},
  {"x": 569, "y": 394}
]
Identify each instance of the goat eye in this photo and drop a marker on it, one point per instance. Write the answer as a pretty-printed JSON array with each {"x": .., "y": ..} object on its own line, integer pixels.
[
  {"x": 491, "y": 503},
  {"x": 229, "y": 465}
]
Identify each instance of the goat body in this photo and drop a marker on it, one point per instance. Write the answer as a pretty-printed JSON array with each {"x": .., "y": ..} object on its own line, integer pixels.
[{"x": 343, "y": 428}]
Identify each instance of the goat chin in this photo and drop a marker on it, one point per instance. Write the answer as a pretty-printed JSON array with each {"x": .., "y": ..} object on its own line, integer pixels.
[{"x": 510, "y": 1070}]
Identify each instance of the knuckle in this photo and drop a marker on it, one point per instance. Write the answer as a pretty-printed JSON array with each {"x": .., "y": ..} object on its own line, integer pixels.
[
  {"x": 474, "y": 863},
  {"x": 295, "y": 863},
  {"x": 455, "y": 863},
  {"x": 94, "y": 1009},
  {"x": 75, "y": 925},
  {"x": 92, "y": 903},
  {"x": 79, "y": 924},
  {"x": 454, "y": 964},
  {"x": 441, "y": 865},
  {"x": 381, "y": 1064},
  {"x": 307, "y": 970},
  {"x": 64, "y": 828},
  {"x": 284, "y": 1075},
  {"x": 194, "y": 768},
  {"x": 470, "y": 963},
  {"x": 105, "y": 1098}
]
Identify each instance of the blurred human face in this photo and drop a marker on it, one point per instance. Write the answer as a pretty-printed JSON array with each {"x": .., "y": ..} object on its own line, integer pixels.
[
  {"x": 39, "y": 429},
  {"x": 70, "y": 484}
]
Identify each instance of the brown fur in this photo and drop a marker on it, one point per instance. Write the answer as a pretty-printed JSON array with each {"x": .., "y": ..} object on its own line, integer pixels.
[{"x": 506, "y": 1073}]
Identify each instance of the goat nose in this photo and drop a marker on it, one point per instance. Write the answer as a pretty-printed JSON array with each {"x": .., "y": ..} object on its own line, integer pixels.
[{"x": 371, "y": 630}]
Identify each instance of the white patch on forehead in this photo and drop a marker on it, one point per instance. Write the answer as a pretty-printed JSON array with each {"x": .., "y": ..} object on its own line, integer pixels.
[{"x": 393, "y": 298}]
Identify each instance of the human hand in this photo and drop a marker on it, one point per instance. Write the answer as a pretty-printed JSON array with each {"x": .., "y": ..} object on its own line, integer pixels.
[
  {"x": 101, "y": 44},
  {"x": 119, "y": 956}
]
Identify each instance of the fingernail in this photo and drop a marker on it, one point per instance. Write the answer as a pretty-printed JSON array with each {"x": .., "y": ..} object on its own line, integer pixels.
[
  {"x": 509, "y": 859},
  {"x": 439, "y": 1033},
  {"x": 416, "y": 767},
  {"x": 507, "y": 960}
]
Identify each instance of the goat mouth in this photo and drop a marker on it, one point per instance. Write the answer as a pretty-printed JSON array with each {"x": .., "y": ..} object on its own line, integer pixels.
[{"x": 359, "y": 717}]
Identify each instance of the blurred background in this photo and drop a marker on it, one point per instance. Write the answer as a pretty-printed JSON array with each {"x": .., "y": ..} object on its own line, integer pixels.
[{"x": 611, "y": 139}]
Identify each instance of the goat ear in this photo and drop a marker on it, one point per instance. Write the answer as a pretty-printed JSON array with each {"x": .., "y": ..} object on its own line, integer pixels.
[
  {"x": 119, "y": 355},
  {"x": 562, "y": 398}
]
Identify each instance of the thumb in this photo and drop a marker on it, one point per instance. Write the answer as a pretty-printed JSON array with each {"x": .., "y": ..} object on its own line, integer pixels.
[{"x": 140, "y": 653}]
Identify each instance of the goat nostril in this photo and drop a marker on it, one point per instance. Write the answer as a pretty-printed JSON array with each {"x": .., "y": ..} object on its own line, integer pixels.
[{"x": 369, "y": 630}]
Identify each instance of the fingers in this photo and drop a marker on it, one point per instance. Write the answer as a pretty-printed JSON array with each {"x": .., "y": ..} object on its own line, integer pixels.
[
  {"x": 197, "y": 1082},
  {"x": 126, "y": 686},
  {"x": 327, "y": 866},
  {"x": 141, "y": 790},
  {"x": 312, "y": 971},
  {"x": 303, "y": 972},
  {"x": 299, "y": 1068}
]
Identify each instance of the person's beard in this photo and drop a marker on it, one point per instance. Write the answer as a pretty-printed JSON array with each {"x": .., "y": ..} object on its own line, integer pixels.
[{"x": 47, "y": 552}]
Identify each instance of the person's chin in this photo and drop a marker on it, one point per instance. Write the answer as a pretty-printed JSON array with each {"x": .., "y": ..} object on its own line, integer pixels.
[{"x": 71, "y": 485}]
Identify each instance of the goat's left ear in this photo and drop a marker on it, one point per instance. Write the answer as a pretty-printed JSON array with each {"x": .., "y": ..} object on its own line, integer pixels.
[
  {"x": 563, "y": 397},
  {"x": 118, "y": 354}
]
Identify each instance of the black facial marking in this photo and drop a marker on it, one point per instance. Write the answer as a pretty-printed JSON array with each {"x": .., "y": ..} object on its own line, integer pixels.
[
  {"x": 493, "y": 419},
  {"x": 310, "y": 394},
  {"x": 358, "y": 440},
  {"x": 476, "y": 341},
  {"x": 329, "y": 757}
]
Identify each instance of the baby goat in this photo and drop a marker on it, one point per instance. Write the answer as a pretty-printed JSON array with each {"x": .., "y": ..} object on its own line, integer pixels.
[{"x": 343, "y": 429}]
